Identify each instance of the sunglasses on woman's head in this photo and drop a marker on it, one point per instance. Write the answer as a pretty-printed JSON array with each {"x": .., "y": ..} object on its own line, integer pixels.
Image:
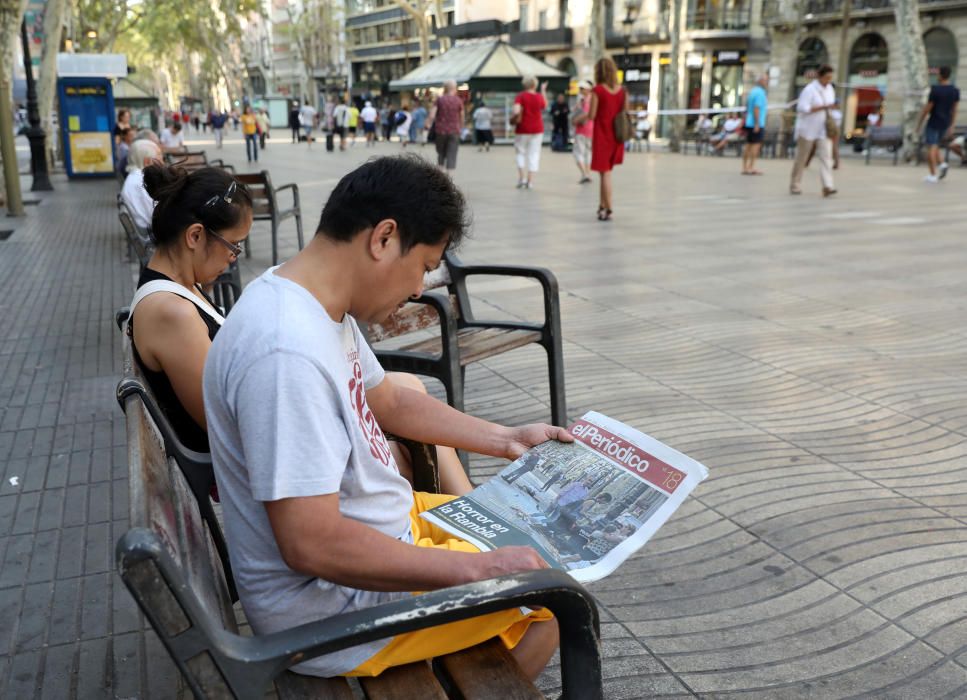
[{"x": 227, "y": 197}]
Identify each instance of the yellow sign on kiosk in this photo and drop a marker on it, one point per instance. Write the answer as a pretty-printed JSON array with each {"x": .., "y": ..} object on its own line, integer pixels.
[{"x": 90, "y": 152}]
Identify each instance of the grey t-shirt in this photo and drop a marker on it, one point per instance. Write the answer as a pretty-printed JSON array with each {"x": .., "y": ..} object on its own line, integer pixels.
[{"x": 285, "y": 398}]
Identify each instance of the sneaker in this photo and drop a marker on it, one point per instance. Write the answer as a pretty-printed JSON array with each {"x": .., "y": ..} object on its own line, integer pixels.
[
  {"x": 932, "y": 179},
  {"x": 521, "y": 185},
  {"x": 943, "y": 171},
  {"x": 528, "y": 186}
]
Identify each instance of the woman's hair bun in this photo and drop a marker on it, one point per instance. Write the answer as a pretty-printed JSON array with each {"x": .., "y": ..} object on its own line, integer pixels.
[{"x": 164, "y": 182}]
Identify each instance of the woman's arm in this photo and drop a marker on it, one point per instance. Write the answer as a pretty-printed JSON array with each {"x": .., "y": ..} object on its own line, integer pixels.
[
  {"x": 594, "y": 106},
  {"x": 171, "y": 337}
]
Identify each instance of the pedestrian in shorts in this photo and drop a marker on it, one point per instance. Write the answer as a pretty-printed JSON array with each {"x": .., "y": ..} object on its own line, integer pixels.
[
  {"x": 483, "y": 127},
  {"x": 941, "y": 108}
]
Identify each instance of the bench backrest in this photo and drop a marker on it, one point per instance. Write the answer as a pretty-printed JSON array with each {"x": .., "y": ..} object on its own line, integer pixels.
[
  {"x": 139, "y": 238},
  {"x": 263, "y": 194},
  {"x": 885, "y": 133},
  {"x": 189, "y": 160},
  {"x": 415, "y": 317},
  {"x": 162, "y": 503}
]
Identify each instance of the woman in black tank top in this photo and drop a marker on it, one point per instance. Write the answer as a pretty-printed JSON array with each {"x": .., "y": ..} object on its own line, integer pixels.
[{"x": 199, "y": 222}]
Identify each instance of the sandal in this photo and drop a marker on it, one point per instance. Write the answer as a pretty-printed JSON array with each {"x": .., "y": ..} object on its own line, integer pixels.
[
  {"x": 601, "y": 211},
  {"x": 604, "y": 215}
]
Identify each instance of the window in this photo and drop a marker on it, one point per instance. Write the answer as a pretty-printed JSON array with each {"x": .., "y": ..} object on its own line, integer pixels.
[
  {"x": 542, "y": 19},
  {"x": 524, "y": 11},
  {"x": 941, "y": 51}
]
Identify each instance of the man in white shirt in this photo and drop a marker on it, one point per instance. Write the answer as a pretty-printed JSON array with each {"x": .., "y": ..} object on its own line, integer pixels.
[
  {"x": 730, "y": 132},
  {"x": 172, "y": 140},
  {"x": 307, "y": 117},
  {"x": 340, "y": 120},
  {"x": 815, "y": 103},
  {"x": 368, "y": 116}
]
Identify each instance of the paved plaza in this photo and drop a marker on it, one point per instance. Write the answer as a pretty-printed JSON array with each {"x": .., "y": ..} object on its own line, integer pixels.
[{"x": 812, "y": 353}]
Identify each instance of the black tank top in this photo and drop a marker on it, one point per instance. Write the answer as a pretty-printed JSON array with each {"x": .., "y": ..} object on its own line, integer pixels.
[{"x": 189, "y": 432}]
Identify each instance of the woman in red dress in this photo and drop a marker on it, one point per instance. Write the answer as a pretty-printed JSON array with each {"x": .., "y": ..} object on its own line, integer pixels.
[{"x": 607, "y": 100}]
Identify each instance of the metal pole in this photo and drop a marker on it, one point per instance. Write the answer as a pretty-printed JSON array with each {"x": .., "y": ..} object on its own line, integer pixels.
[{"x": 35, "y": 133}]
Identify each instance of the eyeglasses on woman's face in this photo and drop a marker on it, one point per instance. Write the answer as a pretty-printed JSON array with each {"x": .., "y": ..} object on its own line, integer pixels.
[{"x": 234, "y": 248}]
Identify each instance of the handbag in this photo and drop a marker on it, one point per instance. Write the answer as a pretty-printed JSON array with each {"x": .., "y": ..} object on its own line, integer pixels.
[
  {"x": 515, "y": 117},
  {"x": 832, "y": 128},
  {"x": 580, "y": 117},
  {"x": 622, "y": 125}
]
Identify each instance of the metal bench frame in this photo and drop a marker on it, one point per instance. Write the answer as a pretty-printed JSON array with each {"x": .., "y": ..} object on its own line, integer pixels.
[{"x": 265, "y": 207}]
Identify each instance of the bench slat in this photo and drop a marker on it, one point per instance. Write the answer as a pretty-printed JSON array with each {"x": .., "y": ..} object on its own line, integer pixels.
[
  {"x": 480, "y": 343},
  {"x": 404, "y": 683},
  {"x": 295, "y": 686},
  {"x": 487, "y": 671}
]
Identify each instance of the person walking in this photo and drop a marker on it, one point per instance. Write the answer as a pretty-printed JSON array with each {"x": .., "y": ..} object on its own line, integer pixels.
[
  {"x": 447, "y": 117},
  {"x": 340, "y": 121},
  {"x": 368, "y": 116},
  {"x": 218, "y": 127},
  {"x": 307, "y": 118},
  {"x": 608, "y": 102},
  {"x": 294, "y": 121},
  {"x": 583, "y": 132},
  {"x": 755, "y": 125},
  {"x": 483, "y": 127},
  {"x": 813, "y": 110},
  {"x": 353, "y": 123},
  {"x": 528, "y": 116},
  {"x": 560, "y": 123},
  {"x": 263, "y": 121},
  {"x": 941, "y": 108},
  {"x": 250, "y": 132},
  {"x": 418, "y": 124}
]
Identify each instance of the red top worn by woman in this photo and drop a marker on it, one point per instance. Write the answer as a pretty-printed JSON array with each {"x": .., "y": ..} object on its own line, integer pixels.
[{"x": 606, "y": 151}]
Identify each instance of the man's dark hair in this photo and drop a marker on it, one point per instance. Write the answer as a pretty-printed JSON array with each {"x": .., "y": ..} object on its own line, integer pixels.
[
  {"x": 422, "y": 199},
  {"x": 176, "y": 127},
  {"x": 824, "y": 70},
  {"x": 945, "y": 72}
]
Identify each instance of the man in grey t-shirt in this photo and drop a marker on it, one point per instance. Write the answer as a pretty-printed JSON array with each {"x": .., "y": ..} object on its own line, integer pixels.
[{"x": 318, "y": 519}]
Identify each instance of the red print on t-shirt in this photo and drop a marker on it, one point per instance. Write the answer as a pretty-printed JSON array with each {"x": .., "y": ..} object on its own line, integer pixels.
[{"x": 367, "y": 421}]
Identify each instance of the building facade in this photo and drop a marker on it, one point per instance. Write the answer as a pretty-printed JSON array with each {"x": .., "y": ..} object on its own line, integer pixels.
[
  {"x": 383, "y": 42},
  {"x": 871, "y": 66}
]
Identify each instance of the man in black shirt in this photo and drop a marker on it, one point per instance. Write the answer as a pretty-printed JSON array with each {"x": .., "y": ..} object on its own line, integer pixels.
[
  {"x": 560, "y": 113},
  {"x": 942, "y": 109}
]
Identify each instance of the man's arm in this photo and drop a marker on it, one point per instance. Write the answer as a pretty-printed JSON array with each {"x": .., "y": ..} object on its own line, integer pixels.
[
  {"x": 417, "y": 416},
  {"x": 755, "y": 118},
  {"x": 315, "y": 539},
  {"x": 953, "y": 118}
]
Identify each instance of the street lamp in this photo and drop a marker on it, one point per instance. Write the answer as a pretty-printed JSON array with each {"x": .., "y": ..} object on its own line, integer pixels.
[
  {"x": 34, "y": 133},
  {"x": 632, "y": 9}
]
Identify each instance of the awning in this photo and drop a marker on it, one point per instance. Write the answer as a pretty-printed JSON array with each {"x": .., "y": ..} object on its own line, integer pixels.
[{"x": 477, "y": 60}]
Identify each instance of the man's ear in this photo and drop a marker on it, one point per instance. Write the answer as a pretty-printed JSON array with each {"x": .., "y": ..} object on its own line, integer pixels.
[{"x": 383, "y": 238}]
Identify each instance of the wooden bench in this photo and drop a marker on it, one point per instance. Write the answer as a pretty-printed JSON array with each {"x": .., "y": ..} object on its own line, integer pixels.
[
  {"x": 171, "y": 562},
  {"x": 889, "y": 137},
  {"x": 140, "y": 241},
  {"x": 463, "y": 338},
  {"x": 196, "y": 160},
  {"x": 265, "y": 207},
  {"x": 700, "y": 140}
]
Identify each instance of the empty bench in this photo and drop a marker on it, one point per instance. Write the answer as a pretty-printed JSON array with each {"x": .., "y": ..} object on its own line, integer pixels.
[
  {"x": 173, "y": 563},
  {"x": 265, "y": 207},
  {"x": 463, "y": 338},
  {"x": 889, "y": 137}
]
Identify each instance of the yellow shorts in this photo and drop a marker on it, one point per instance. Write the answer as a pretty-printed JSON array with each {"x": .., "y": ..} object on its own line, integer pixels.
[{"x": 510, "y": 625}]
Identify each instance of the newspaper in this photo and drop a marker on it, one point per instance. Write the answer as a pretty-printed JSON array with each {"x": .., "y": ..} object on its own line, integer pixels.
[{"x": 584, "y": 506}]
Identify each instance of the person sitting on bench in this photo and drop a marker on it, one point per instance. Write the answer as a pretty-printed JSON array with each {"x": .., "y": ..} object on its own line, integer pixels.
[
  {"x": 318, "y": 519},
  {"x": 204, "y": 217}
]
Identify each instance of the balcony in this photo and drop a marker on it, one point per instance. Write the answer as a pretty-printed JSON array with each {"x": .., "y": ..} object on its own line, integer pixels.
[
  {"x": 720, "y": 21},
  {"x": 775, "y": 12},
  {"x": 543, "y": 39}
]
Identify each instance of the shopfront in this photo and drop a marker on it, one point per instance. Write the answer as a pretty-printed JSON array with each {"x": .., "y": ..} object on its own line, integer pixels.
[
  {"x": 636, "y": 70},
  {"x": 866, "y": 87},
  {"x": 727, "y": 86}
]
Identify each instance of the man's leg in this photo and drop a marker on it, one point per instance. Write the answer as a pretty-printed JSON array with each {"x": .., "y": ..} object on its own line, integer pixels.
[
  {"x": 754, "y": 149},
  {"x": 746, "y": 163},
  {"x": 803, "y": 151}
]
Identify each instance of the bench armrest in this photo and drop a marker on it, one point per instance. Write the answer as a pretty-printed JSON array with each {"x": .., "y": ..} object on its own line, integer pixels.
[
  {"x": 552, "y": 304},
  {"x": 295, "y": 193}
]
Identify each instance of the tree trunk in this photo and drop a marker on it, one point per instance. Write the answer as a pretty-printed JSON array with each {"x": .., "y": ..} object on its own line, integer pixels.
[
  {"x": 54, "y": 15},
  {"x": 11, "y": 14},
  {"x": 418, "y": 13},
  {"x": 441, "y": 22},
  {"x": 674, "y": 68},
  {"x": 913, "y": 55},
  {"x": 597, "y": 36}
]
